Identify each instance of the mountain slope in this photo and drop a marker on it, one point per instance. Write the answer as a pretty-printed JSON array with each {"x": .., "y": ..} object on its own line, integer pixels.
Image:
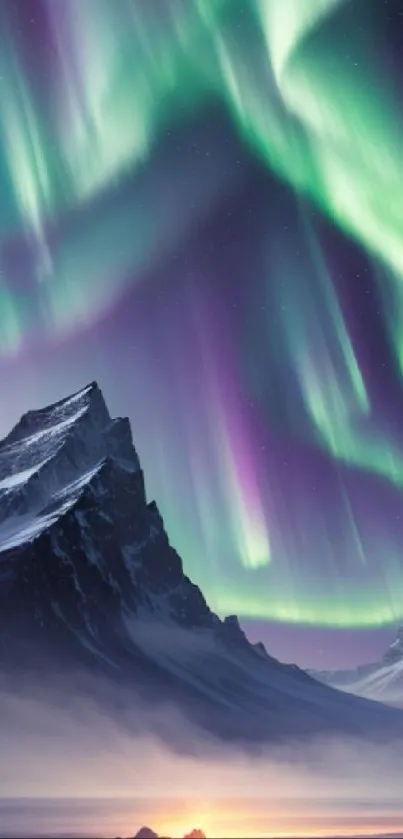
[
  {"x": 381, "y": 681},
  {"x": 89, "y": 582}
]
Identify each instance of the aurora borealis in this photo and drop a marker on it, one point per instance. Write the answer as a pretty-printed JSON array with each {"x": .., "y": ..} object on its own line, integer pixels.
[{"x": 201, "y": 208}]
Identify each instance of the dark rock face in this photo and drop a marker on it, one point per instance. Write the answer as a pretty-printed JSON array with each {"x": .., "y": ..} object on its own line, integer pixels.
[
  {"x": 80, "y": 545},
  {"x": 89, "y": 580}
]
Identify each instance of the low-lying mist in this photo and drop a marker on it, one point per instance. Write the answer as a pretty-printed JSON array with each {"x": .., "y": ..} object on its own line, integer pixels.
[{"x": 57, "y": 744}]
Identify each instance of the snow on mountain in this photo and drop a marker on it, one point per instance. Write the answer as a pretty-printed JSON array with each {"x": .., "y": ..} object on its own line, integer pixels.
[
  {"x": 381, "y": 681},
  {"x": 394, "y": 655},
  {"x": 90, "y": 581}
]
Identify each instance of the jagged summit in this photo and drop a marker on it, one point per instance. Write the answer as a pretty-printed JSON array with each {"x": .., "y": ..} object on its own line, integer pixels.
[
  {"x": 63, "y": 411},
  {"x": 51, "y": 455},
  {"x": 74, "y": 520},
  {"x": 89, "y": 581}
]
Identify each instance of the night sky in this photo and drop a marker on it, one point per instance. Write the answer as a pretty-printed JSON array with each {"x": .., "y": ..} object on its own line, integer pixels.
[{"x": 201, "y": 207}]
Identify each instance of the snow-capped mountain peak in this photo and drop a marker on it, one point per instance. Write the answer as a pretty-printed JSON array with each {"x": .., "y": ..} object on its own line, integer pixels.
[
  {"x": 380, "y": 680},
  {"x": 89, "y": 580},
  {"x": 50, "y": 451}
]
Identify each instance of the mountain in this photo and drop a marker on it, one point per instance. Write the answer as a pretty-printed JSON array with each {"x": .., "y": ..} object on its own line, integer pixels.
[
  {"x": 394, "y": 655},
  {"x": 381, "y": 681},
  {"x": 90, "y": 584}
]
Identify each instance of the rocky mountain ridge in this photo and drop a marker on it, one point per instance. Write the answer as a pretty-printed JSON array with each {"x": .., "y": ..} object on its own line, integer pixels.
[{"x": 89, "y": 581}]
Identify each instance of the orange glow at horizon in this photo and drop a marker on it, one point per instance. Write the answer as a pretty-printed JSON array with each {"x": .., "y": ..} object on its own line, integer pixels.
[{"x": 219, "y": 820}]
